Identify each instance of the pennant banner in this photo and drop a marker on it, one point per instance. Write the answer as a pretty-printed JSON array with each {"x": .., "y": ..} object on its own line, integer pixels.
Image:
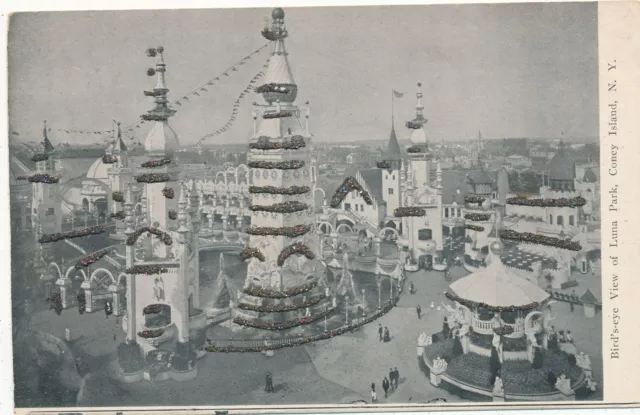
[{"x": 234, "y": 110}]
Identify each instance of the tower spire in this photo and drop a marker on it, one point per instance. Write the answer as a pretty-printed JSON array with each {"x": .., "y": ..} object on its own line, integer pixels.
[
  {"x": 419, "y": 105},
  {"x": 279, "y": 77},
  {"x": 47, "y": 147},
  {"x": 161, "y": 112}
]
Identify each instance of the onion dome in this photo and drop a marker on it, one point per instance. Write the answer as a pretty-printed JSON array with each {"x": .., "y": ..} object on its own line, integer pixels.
[{"x": 562, "y": 166}]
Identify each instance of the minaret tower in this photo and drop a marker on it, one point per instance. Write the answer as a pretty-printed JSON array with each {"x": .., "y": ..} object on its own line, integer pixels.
[
  {"x": 419, "y": 154},
  {"x": 280, "y": 160},
  {"x": 46, "y": 205},
  {"x": 160, "y": 145}
]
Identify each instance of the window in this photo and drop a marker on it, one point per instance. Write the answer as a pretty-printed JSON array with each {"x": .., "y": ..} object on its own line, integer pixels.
[
  {"x": 550, "y": 219},
  {"x": 571, "y": 220},
  {"x": 386, "y": 176},
  {"x": 424, "y": 234},
  {"x": 347, "y": 206},
  {"x": 446, "y": 212},
  {"x": 560, "y": 220},
  {"x": 51, "y": 212},
  {"x": 393, "y": 177},
  {"x": 356, "y": 206},
  {"x": 361, "y": 208},
  {"x": 390, "y": 190}
]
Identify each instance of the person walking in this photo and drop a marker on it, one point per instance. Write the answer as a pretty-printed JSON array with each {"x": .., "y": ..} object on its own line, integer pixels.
[
  {"x": 396, "y": 377},
  {"x": 380, "y": 331},
  {"x": 268, "y": 383},
  {"x": 391, "y": 379},
  {"x": 419, "y": 311},
  {"x": 374, "y": 396},
  {"x": 412, "y": 288},
  {"x": 385, "y": 386},
  {"x": 387, "y": 337}
]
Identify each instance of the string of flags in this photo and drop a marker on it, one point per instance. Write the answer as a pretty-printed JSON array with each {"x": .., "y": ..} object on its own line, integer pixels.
[
  {"x": 180, "y": 102},
  {"x": 236, "y": 105},
  {"x": 204, "y": 87}
]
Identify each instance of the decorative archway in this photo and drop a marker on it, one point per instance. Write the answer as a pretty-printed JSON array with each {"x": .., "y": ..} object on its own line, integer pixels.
[
  {"x": 344, "y": 226},
  {"x": 325, "y": 227},
  {"x": 56, "y": 267},
  {"x": 100, "y": 287}
]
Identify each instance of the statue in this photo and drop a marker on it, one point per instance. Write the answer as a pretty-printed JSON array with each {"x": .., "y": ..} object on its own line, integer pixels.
[
  {"x": 424, "y": 340},
  {"x": 498, "y": 387},
  {"x": 563, "y": 384},
  {"x": 439, "y": 365}
]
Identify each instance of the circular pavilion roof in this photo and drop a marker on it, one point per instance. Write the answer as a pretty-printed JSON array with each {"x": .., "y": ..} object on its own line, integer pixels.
[{"x": 496, "y": 286}]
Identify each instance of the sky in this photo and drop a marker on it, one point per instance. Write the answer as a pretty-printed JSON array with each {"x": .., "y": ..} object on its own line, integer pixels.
[{"x": 508, "y": 70}]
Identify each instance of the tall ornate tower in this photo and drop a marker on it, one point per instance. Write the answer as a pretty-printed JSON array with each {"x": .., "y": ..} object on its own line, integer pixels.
[
  {"x": 120, "y": 173},
  {"x": 283, "y": 245},
  {"x": 161, "y": 171},
  {"x": 46, "y": 202},
  {"x": 419, "y": 154}
]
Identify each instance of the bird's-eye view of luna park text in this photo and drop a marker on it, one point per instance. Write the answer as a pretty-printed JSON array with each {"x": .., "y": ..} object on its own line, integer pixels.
[{"x": 337, "y": 206}]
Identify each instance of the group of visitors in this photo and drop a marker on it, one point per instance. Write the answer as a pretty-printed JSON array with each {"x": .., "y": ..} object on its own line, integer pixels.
[
  {"x": 389, "y": 384},
  {"x": 561, "y": 336},
  {"x": 383, "y": 333},
  {"x": 269, "y": 383}
]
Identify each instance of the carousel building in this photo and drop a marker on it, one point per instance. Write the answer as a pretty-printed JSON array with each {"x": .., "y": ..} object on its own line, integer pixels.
[{"x": 495, "y": 341}]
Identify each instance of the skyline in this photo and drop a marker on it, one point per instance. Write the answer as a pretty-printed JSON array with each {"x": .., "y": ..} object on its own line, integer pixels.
[{"x": 524, "y": 85}]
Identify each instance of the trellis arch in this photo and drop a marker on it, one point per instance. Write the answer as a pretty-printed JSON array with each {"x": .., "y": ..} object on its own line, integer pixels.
[
  {"x": 106, "y": 280},
  {"x": 120, "y": 278},
  {"x": 57, "y": 267},
  {"x": 73, "y": 268},
  {"x": 344, "y": 225},
  {"x": 319, "y": 189}
]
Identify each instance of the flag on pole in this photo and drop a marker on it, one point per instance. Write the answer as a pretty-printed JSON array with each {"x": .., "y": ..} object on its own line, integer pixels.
[{"x": 397, "y": 94}]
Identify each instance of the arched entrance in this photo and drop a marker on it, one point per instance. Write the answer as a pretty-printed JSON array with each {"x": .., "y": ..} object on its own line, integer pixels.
[
  {"x": 426, "y": 262},
  {"x": 344, "y": 228},
  {"x": 97, "y": 292}
]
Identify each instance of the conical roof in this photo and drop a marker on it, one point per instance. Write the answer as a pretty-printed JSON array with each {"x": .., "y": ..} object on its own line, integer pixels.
[
  {"x": 393, "y": 148},
  {"x": 562, "y": 166},
  {"x": 588, "y": 297},
  {"x": 496, "y": 286}
]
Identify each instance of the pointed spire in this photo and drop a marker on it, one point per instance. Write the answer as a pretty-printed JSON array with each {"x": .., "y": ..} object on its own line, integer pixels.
[
  {"x": 47, "y": 147},
  {"x": 161, "y": 111},
  {"x": 278, "y": 68},
  {"x": 393, "y": 148},
  {"x": 118, "y": 144}
]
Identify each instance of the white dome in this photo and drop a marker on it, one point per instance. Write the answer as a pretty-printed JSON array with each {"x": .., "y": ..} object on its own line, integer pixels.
[
  {"x": 418, "y": 136},
  {"x": 98, "y": 171},
  {"x": 162, "y": 139}
]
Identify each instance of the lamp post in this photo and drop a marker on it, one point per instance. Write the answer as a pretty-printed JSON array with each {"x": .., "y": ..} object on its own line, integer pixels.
[
  {"x": 363, "y": 303},
  {"x": 390, "y": 288}
]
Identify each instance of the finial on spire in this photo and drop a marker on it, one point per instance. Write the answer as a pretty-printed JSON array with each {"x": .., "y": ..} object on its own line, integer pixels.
[
  {"x": 161, "y": 112},
  {"x": 44, "y": 132}
]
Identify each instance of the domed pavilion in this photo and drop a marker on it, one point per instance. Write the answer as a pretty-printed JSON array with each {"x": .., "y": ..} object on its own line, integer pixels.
[{"x": 494, "y": 342}]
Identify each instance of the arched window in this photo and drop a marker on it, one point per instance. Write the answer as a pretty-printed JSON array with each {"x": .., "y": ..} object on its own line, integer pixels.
[
  {"x": 560, "y": 220},
  {"x": 550, "y": 219},
  {"x": 571, "y": 220},
  {"x": 424, "y": 234}
]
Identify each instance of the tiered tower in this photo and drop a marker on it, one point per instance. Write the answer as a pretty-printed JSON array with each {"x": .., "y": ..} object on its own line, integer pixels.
[
  {"x": 283, "y": 238},
  {"x": 161, "y": 145},
  {"x": 164, "y": 276}
]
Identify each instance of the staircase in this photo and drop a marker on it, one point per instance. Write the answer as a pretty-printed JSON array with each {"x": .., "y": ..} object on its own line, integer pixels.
[{"x": 361, "y": 220}]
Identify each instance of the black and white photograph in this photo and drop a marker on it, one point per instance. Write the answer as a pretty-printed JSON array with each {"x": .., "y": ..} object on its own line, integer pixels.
[{"x": 276, "y": 206}]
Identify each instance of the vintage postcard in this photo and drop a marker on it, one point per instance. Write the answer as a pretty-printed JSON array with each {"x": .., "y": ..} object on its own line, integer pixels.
[{"x": 356, "y": 208}]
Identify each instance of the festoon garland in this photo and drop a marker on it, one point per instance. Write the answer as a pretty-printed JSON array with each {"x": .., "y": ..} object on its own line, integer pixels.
[
  {"x": 78, "y": 233},
  {"x": 294, "y": 142},
  {"x": 472, "y": 304},
  {"x": 540, "y": 239},
  {"x": 291, "y": 190},
  {"x": 295, "y": 248},
  {"x": 165, "y": 237},
  {"x": 285, "y": 207},
  {"x": 288, "y": 231},
  {"x": 249, "y": 252},
  {"x": 403, "y": 212},
  {"x": 282, "y": 326},
  {"x": 350, "y": 184},
  {"x": 276, "y": 294}
]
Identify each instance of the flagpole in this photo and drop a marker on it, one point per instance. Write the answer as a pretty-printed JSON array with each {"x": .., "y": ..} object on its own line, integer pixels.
[{"x": 392, "y": 105}]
